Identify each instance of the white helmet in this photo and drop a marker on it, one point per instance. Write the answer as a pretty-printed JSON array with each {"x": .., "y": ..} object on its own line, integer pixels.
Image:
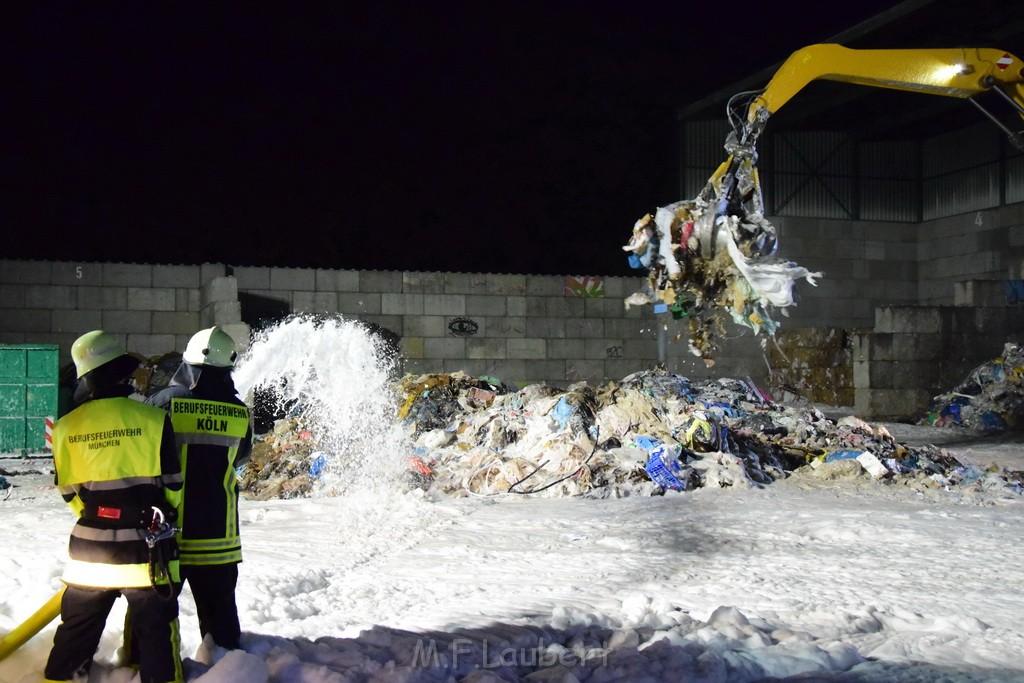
[
  {"x": 213, "y": 347},
  {"x": 94, "y": 349}
]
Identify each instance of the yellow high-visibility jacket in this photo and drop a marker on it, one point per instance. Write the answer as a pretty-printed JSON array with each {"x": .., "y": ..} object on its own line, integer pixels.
[
  {"x": 114, "y": 462},
  {"x": 213, "y": 437}
]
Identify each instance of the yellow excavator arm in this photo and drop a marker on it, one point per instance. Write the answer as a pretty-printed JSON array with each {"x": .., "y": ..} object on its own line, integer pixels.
[
  {"x": 735, "y": 189},
  {"x": 953, "y": 72}
]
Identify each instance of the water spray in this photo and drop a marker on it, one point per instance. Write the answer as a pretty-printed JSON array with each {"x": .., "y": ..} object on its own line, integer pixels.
[{"x": 336, "y": 377}]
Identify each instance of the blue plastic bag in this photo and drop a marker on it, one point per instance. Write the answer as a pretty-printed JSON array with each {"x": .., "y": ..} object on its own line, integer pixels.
[
  {"x": 993, "y": 422},
  {"x": 561, "y": 412},
  {"x": 317, "y": 467},
  {"x": 845, "y": 454},
  {"x": 646, "y": 443},
  {"x": 952, "y": 410}
]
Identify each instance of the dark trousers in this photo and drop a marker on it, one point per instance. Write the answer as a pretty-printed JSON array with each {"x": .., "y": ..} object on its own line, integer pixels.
[
  {"x": 213, "y": 587},
  {"x": 83, "y": 613}
]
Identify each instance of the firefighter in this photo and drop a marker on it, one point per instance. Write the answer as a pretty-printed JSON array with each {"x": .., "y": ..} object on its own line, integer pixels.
[
  {"x": 116, "y": 466},
  {"x": 214, "y": 432}
]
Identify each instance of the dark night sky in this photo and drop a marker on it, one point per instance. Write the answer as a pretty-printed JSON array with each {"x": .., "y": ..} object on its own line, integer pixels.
[{"x": 520, "y": 137}]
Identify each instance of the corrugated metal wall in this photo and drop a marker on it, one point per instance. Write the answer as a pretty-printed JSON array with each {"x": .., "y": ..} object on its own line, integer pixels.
[
  {"x": 961, "y": 172},
  {"x": 890, "y": 185},
  {"x": 1015, "y": 179},
  {"x": 810, "y": 175},
  {"x": 703, "y": 152},
  {"x": 829, "y": 175}
]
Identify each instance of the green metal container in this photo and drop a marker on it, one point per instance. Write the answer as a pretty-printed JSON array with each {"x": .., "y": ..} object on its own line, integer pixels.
[{"x": 29, "y": 379}]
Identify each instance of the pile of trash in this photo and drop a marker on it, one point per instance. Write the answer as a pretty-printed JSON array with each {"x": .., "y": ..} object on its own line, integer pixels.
[
  {"x": 155, "y": 372},
  {"x": 284, "y": 462},
  {"x": 701, "y": 261},
  {"x": 991, "y": 399},
  {"x": 651, "y": 432}
]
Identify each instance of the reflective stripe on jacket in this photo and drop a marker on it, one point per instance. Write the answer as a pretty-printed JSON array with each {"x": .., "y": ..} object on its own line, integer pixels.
[
  {"x": 107, "y": 455},
  {"x": 209, "y": 435}
]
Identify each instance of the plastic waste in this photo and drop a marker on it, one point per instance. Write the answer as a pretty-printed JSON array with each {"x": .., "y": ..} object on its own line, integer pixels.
[
  {"x": 318, "y": 465},
  {"x": 664, "y": 468},
  {"x": 1014, "y": 291},
  {"x": 872, "y": 464},
  {"x": 701, "y": 434},
  {"x": 990, "y": 399},
  {"x": 492, "y": 380},
  {"x": 703, "y": 263},
  {"x": 420, "y": 466},
  {"x": 992, "y": 421},
  {"x": 561, "y": 412},
  {"x": 893, "y": 465},
  {"x": 966, "y": 475},
  {"x": 646, "y": 443},
  {"x": 843, "y": 454},
  {"x": 951, "y": 411}
]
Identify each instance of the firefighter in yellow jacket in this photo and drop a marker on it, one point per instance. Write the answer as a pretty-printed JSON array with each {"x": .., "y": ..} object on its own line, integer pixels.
[
  {"x": 117, "y": 468},
  {"x": 214, "y": 435}
]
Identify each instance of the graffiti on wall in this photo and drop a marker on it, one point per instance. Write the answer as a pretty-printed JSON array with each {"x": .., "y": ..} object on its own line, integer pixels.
[
  {"x": 587, "y": 286},
  {"x": 463, "y": 327}
]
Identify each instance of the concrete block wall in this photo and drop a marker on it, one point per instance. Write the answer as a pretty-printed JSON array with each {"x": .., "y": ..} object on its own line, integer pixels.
[
  {"x": 522, "y": 329},
  {"x": 963, "y": 319},
  {"x": 980, "y": 245},
  {"x": 1013, "y": 216},
  {"x": 986, "y": 293},
  {"x": 864, "y": 264},
  {"x": 916, "y": 353},
  {"x": 896, "y": 366},
  {"x": 868, "y": 264},
  {"x": 150, "y": 309}
]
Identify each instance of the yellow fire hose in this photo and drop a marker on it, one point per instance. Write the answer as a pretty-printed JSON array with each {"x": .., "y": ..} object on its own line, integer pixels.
[{"x": 31, "y": 626}]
